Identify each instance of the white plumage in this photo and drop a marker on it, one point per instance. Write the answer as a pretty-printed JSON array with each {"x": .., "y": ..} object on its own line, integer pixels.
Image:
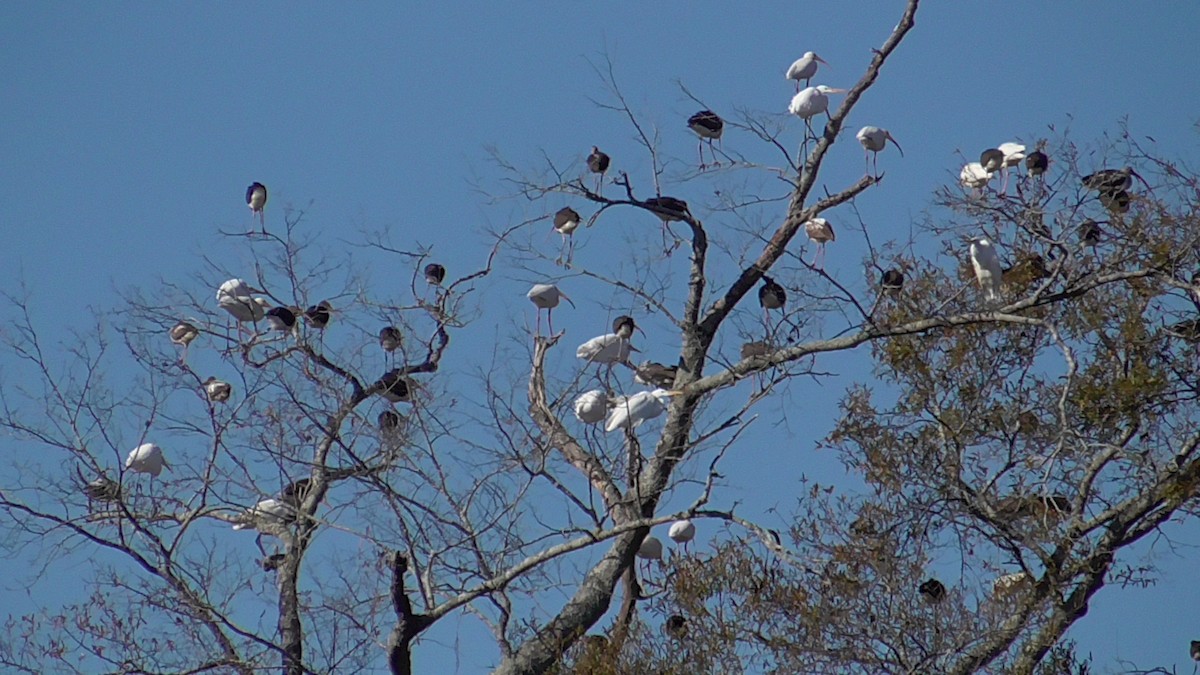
[
  {"x": 812, "y": 101},
  {"x": 234, "y": 296},
  {"x": 592, "y": 406},
  {"x": 629, "y": 412},
  {"x": 1010, "y": 584},
  {"x": 682, "y": 531},
  {"x": 269, "y": 516},
  {"x": 874, "y": 140},
  {"x": 987, "y": 268},
  {"x": 651, "y": 548},
  {"x": 973, "y": 175},
  {"x": 608, "y": 348},
  {"x": 146, "y": 458},
  {"x": 546, "y": 296},
  {"x": 217, "y": 390},
  {"x": 1014, "y": 153},
  {"x": 804, "y": 68}
]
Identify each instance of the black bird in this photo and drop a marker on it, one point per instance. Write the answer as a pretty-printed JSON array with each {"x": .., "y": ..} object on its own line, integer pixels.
[
  {"x": 756, "y": 348},
  {"x": 597, "y": 163},
  {"x": 708, "y": 126},
  {"x": 294, "y": 492},
  {"x": 932, "y": 590},
  {"x": 893, "y": 280},
  {"x": 771, "y": 295},
  {"x": 1036, "y": 163},
  {"x": 434, "y": 274},
  {"x": 566, "y": 221},
  {"x": 676, "y": 627},
  {"x": 389, "y": 338},
  {"x": 281, "y": 318},
  {"x": 318, "y": 315}
]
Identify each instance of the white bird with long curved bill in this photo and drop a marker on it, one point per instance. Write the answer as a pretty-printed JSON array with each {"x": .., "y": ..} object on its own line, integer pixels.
[
  {"x": 1013, "y": 154},
  {"x": 682, "y": 532},
  {"x": 236, "y": 297},
  {"x": 629, "y": 412},
  {"x": 804, "y": 68},
  {"x": 269, "y": 517},
  {"x": 651, "y": 548},
  {"x": 874, "y": 140},
  {"x": 546, "y": 296},
  {"x": 591, "y": 407},
  {"x": 146, "y": 458},
  {"x": 612, "y": 347},
  {"x": 820, "y": 231},
  {"x": 812, "y": 101},
  {"x": 987, "y": 268},
  {"x": 973, "y": 175}
]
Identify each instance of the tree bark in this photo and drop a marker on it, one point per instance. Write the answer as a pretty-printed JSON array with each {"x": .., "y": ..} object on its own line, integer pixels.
[{"x": 408, "y": 625}]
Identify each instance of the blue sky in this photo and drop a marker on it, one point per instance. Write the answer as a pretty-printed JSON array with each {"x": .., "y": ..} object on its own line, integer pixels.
[{"x": 130, "y": 132}]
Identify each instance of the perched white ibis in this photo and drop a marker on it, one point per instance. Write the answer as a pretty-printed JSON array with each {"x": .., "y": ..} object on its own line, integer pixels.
[
  {"x": 395, "y": 387},
  {"x": 146, "y": 458},
  {"x": 103, "y": 489},
  {"x": 597, "y": 163},
  {"x": 682, "y": 532},
  {"x": 650, "y": 549},
  {"x": 282, "y": 318},
  {"x": 893, "y": 280},
  {"x": 812, "y": 101},
  {"x": 182, "y": 334},
  {"x": 820, "y": 231},
  {"x": 629, "y": 412},
  {"x": 546, "y": 296},
  {"x": 236, "y": 297},
  {"x": 612, "y": 347},
  {"x": 1112, "y": 181},
  {"x": 435, "y": 274},
  {"x": 987, "y": 268},
  {"x": 566, "y": 221},
  {"x": 675, "y": 627},
  {"x": 655, "y": 374},
  {"x": 269, "y": 516},
  {"x": 319, "y": 315},
  {"x": 804, "y": 68},
  {"x": 932, "y": 590},
  {"x": 974, "y": 175},
  {"x": 256, "y": 199},
  {"x": 874, "y": 140},
  {"x": 709, "y": 126},
  {"x": 217, "y": 390},
  {"x": 1013, "y": 155},
  {"x": 592, "y": 406}
]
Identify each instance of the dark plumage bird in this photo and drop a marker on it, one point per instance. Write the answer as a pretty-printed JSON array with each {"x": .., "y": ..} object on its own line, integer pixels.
[
  {"x": 389, "y": 420},
  {"x": 1036, "y": 163},
  {"x": 655, "y": 375},
  {"x": 597, "y": 163},
  {"x": 1112, "y": 181},
  {"x": 669, "y": 208},
  {"x": 566, "y": 221},
  {"x": 281, "y": 318},
  {"x": 182, "y": 334},
  {"x": 992, "y": 160},
  {"x": 293, "y": 493},
  {"x": 217, "y": 391},
  {"x": 395, "y": 387},
  {"x": 932, "y": 590},
  {"x": 1117, "y": 202},
  {"x": 1195, "y": 650},
  {"x": 624, "y": 325},
  {"x": 1090, "y": 233},
  {"x": 708, "y": 126},
  {"x": 256, "y": 199},
  {"x": 389, "y": 338},
  {"x": 893, "y": 280},
  {"x": 675, "y": 627},
  {"x": 1188, "y": 330},
  {"x": 435, "y": 274},
  {"x": 771, "y": 295},
  {"x": 756, "y": 348},
  {"x": 103, "y": 489},
  {"x": 318, "y": 315}
]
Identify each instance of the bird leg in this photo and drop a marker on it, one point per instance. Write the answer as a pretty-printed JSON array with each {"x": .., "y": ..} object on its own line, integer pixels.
[
  {"x": 549, "y": 319},
  {"x": 700, "y": 150},
  {"x": 715, "y": 161}
]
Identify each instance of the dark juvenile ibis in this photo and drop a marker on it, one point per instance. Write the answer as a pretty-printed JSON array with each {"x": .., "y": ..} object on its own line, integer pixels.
[
  {"x": 597, "y": 163},
  {"x": 1090, "y": 233},
  {"x": 804, "y": 68},
  {"x": 566, "y": 221},
  {"x": 435, "y": 274},
  {"x": 1112, "y": 181},
  {"x": 389, "y": 420},
  {"x": 103, "y": 489},
  {"x": 182, "y": 334},
  {"x": 256, "y": 199},
  {"x": 1037, "y": 163},
  {"x": 708, "y": 126},
  {"x": 932, "y": 590},
  {"x": 893, "y": 280},
  {"x": 282, "y": 318},
  {"x": 675, "y": 627},
  {"x": 217, "y": 390},
  {"x": 771, "y": 295},
  {"x": 395, "y": 387},
  {"x": 319, "y": 315},
  {"x": 820, "y": 231},
  {"x": 655, "y": 374}
]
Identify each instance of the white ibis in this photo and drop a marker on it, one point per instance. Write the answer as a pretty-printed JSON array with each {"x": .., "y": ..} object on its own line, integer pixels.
[
  {"x": 256, "y": 199},
  {"x": 146, "y": 458},
  {"x": 974, "y": 175},
  {"x": 675, "y": 627},
  {"x": 546, "y": 296},
  {"x": 282, "y": 319},
  {"x": 874, "y": 140},
  {"x": 650, "y": 549},
  {"x": 1112, "y": 181},
  {"x": 435, "y": 274},
  {"x": 804, "y": 68},
  {"x": 987, "y": 268},
  {"x": 709, "y": 126},
  {"x": 655, "y": 374},
  {"x": 932, "y": 590},
  {"x": 820, "y": 231},
  {"x": 217, "y": 390},
  {"x": 103, "y": 489},
  {"x": 597, "y": 163},
  {"x": 1037, "y": 162},
  {"x": 395, "y": 387},
  {"x": 319, "y": 315},
  {"x": 682, "y": 532},
  {"x": 610, "y": 348},
  {"x": 182, "y": 334},
  {"x": 1013, "y": 154},
  {"x": 893, "y": 280},
  {"x": 1011, "y": 584},
  {"x": 269, "y": 516},
  {"x": 812, "y": 101},
  {"x": 235, "y": 296},
  {"x": 629, "y": 412},
  {"x": 592, "y": 406},
  {"x": 566, "y": 221}
]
